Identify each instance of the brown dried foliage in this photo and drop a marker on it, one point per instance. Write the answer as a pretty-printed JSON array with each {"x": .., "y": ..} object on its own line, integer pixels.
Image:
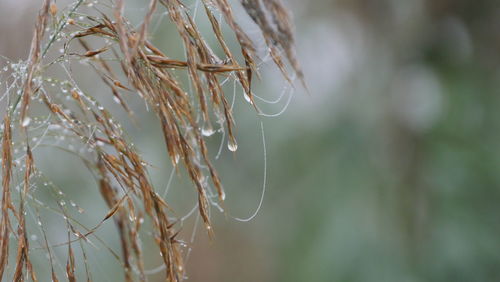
[{"x": 122, "y": 176}]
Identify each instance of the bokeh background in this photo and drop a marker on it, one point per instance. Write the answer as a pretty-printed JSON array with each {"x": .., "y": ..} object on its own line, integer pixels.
[{"x": 387, "y": 170}]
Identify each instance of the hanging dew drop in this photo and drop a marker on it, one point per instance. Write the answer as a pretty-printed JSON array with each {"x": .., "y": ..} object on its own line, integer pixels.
[
  {"x": 207, "y": 131},
  {"x": 247, "y": 98},
  {"x": 26, "y": 121},
  {"x": 232, "y": 145}
]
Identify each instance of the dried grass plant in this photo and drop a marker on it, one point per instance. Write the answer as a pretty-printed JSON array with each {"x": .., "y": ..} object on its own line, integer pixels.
[{"x": 130, "y": 65}]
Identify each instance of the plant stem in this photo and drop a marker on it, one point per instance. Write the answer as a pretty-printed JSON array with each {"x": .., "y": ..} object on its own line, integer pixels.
[{"x": 62, "y": 24}]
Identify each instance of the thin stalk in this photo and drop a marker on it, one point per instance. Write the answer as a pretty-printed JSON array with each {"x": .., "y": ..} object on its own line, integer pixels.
[{"x": 62, "y": 24}]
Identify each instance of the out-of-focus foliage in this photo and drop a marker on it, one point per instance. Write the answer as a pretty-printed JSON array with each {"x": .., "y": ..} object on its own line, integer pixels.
[{"x": 388, "y": 171}]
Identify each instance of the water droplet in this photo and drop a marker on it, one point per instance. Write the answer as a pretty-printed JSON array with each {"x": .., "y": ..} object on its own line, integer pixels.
[
  {"x": 26, "y": 121},
  {"x": 232, "y": 145},
  {"x": 247, "y": 98},
  {"x": 207, "y": 130}
]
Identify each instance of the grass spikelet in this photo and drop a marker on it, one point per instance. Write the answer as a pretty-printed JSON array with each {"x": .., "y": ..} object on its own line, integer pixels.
[
  {"x": 34, "y": 58},
  {"x": 5, "y": 227},
  {"x": 127, "y": 62},
  {"x": 23, "y": 258}
]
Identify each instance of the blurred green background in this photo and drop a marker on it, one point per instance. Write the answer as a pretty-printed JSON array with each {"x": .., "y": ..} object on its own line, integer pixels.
[{"x": 387, "y": 171}]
